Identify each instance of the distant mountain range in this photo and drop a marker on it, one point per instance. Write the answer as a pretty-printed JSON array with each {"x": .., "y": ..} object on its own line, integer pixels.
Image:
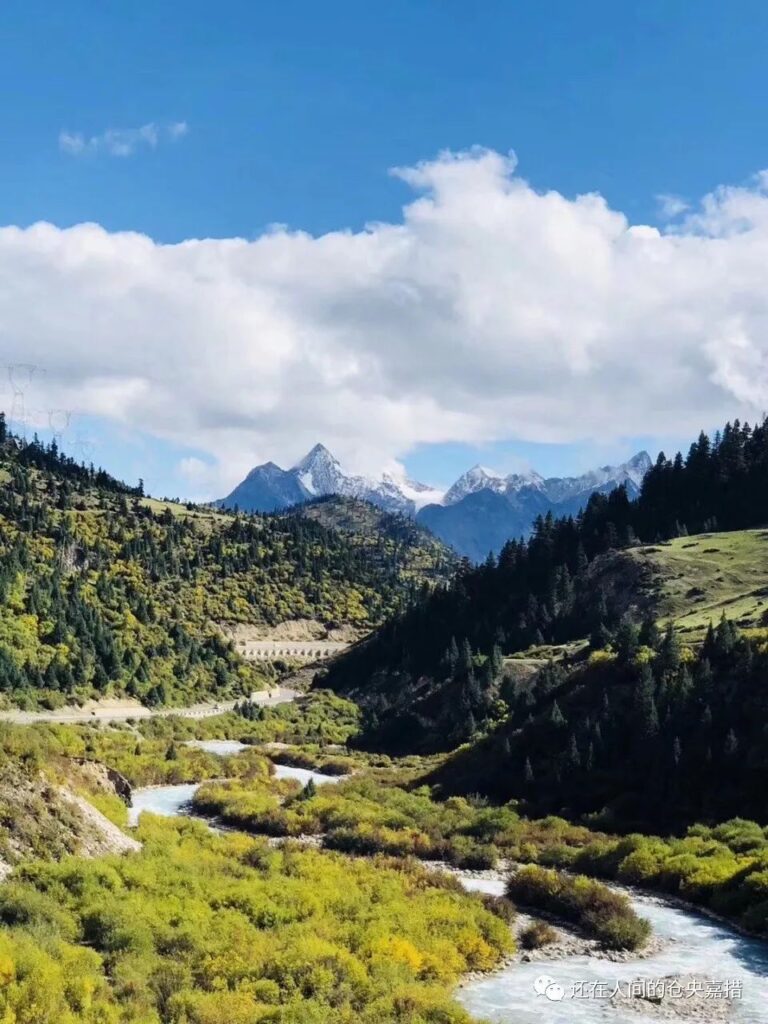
[
  {"x": 482, "y": 510},
  {"x": 477, "y": 514}
]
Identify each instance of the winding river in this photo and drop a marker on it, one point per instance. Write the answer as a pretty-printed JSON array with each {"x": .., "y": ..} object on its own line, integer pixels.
[
  {"x": 172, "y": 800},
  {"x": 694, "y": 945}
]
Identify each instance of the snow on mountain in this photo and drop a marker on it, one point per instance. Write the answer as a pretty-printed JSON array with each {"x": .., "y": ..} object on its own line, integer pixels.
[
  {"x": 556, "y": 489},
  {"x": 479, "y": 479},
  {"x": 517, "y": 481},
  {"x": 417, "y": 493},
  {"x": 605, "y": 478},
  {"x": 483, "y": 510},
  {"x": 476, "y": 479},
  {"x": 268, "y": 488},
  {"x": 636, "y": 468},
  {"x": 319, "y": 472},
  {"x": 475, "y": 515}
]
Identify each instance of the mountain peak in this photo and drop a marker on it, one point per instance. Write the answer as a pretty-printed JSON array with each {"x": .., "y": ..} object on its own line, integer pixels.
[
  {"x": 642, "y": 460},
  {"x": 528, "y": 478},
  {"x": 638, "y": 466},
  {"x": 498, "y": 507},
  {"x": 319, "y": 472},
  {"x": 476, "y": 479},
  {"x": 319, "y": 454}
]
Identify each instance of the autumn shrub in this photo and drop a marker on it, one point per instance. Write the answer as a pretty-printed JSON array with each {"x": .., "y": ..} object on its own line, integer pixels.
[
  {"x": 592, "y": 906},
  {"x": 200, "y": 928},
  {"x": 537, "y": 934}
]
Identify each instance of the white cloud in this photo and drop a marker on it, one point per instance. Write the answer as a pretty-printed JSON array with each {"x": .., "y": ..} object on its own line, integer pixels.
[
  {"x": 177, "y": 130},
  {"x": 671, "y": 206},
  {"x": 490, "y": 312},
  {"x": 122, "y": 141}
]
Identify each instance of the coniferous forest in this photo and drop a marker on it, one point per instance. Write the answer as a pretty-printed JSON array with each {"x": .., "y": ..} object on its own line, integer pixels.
[
  {"x": 432, "y": 676},
  {"x": 105, "y": 591}
]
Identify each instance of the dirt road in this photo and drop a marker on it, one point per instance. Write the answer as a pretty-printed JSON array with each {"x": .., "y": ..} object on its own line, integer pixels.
[{"x": 121, "y": 711}]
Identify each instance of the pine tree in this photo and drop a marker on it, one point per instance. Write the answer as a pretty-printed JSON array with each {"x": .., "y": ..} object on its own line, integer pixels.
[
  {"x": 669, "y": 651},
  {"x": 626, "y": 640},
  {"x": 573, "y": 757},
  {"x": 556, "y": 716},
  {"x": 650, "y": 635}
]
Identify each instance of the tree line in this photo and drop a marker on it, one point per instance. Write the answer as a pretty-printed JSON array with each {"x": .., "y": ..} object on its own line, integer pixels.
[{"x": 428, "y": 675}]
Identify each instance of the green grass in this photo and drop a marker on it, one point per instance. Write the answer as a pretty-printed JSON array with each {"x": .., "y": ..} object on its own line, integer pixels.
[
  {"x": 197, "y": 513},
  {"x": 696, "y": 579}
]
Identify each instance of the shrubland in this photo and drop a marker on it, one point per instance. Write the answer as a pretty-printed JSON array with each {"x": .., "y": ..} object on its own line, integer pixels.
[
  {"x": 319, "y": 718},
  {"x": 724, "y": 868},
  {"x": 207, "y": 929}
]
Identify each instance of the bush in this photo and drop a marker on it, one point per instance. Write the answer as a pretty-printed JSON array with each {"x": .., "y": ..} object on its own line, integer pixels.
[
  {"x": 500, "y": 906},
  {"x": 537, "y": 934},
  {"x": 472, "y": 856},
  {"x": 592, "y": 906}
]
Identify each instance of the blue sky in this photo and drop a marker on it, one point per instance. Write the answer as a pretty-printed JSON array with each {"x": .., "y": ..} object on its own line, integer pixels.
[{"x": 293, "y": 113}]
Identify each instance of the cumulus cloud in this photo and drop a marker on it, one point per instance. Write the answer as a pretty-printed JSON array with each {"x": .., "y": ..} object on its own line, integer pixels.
[
  {"x": 490, "y": 311},
  {"x": 122, "y": 141}
]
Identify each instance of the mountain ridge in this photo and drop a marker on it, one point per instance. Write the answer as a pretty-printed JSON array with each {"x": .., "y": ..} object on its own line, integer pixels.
[
  {"x": 107, "y": 592},
  {"x": 471, "y": 525}
]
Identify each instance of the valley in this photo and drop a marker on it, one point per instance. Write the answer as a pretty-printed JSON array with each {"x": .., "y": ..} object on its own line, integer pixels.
[
  {"x": 549, "y": 763},
  {"x": 685, "y": 946},
  {"x": 384, "y": 513}
]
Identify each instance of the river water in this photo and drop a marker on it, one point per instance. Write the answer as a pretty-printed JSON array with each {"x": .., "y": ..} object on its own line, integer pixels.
[
  {"x": 172, "y": 800},
  {"x": 694, "y": 945}
]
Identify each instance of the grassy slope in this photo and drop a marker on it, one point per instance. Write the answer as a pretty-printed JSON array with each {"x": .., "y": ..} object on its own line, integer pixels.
[{"x": 691, "y": 581}]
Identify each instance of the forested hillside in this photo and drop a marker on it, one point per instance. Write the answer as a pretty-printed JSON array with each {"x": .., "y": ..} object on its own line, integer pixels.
[
  {"x": 105, "y": 591},
  {"x": 650, "y": 734},
  {"x": 386, "y": 538},
  {"x": 431, "y": 677}
]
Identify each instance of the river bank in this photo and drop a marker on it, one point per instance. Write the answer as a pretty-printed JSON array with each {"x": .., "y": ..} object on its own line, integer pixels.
[{"x": 598, "y": 986}]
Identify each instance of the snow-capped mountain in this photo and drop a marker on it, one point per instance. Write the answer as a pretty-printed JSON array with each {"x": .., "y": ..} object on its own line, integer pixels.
[
  {"x": 483, "y": 509},
  {"x": 268, "y": 488},
  {"x": 630, "y": 473},
  {"x": 476, "y": 479},
  {"x": 556, "y": 489},
  {"x": 477, "y": 514}
]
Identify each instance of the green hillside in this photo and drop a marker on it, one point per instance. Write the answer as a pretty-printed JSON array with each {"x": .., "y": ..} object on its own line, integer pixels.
[
  {"x": 104, "y": 591},
  {"x": 692, "y": 581},
  {"x": 383, "y": 537},
  {"x": 431, "y": 677}
]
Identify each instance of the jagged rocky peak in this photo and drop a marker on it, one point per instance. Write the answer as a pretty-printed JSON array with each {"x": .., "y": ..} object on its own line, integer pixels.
[
  {"x": 638, "y": 466},
  {"x": 319, "y": 471}
]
